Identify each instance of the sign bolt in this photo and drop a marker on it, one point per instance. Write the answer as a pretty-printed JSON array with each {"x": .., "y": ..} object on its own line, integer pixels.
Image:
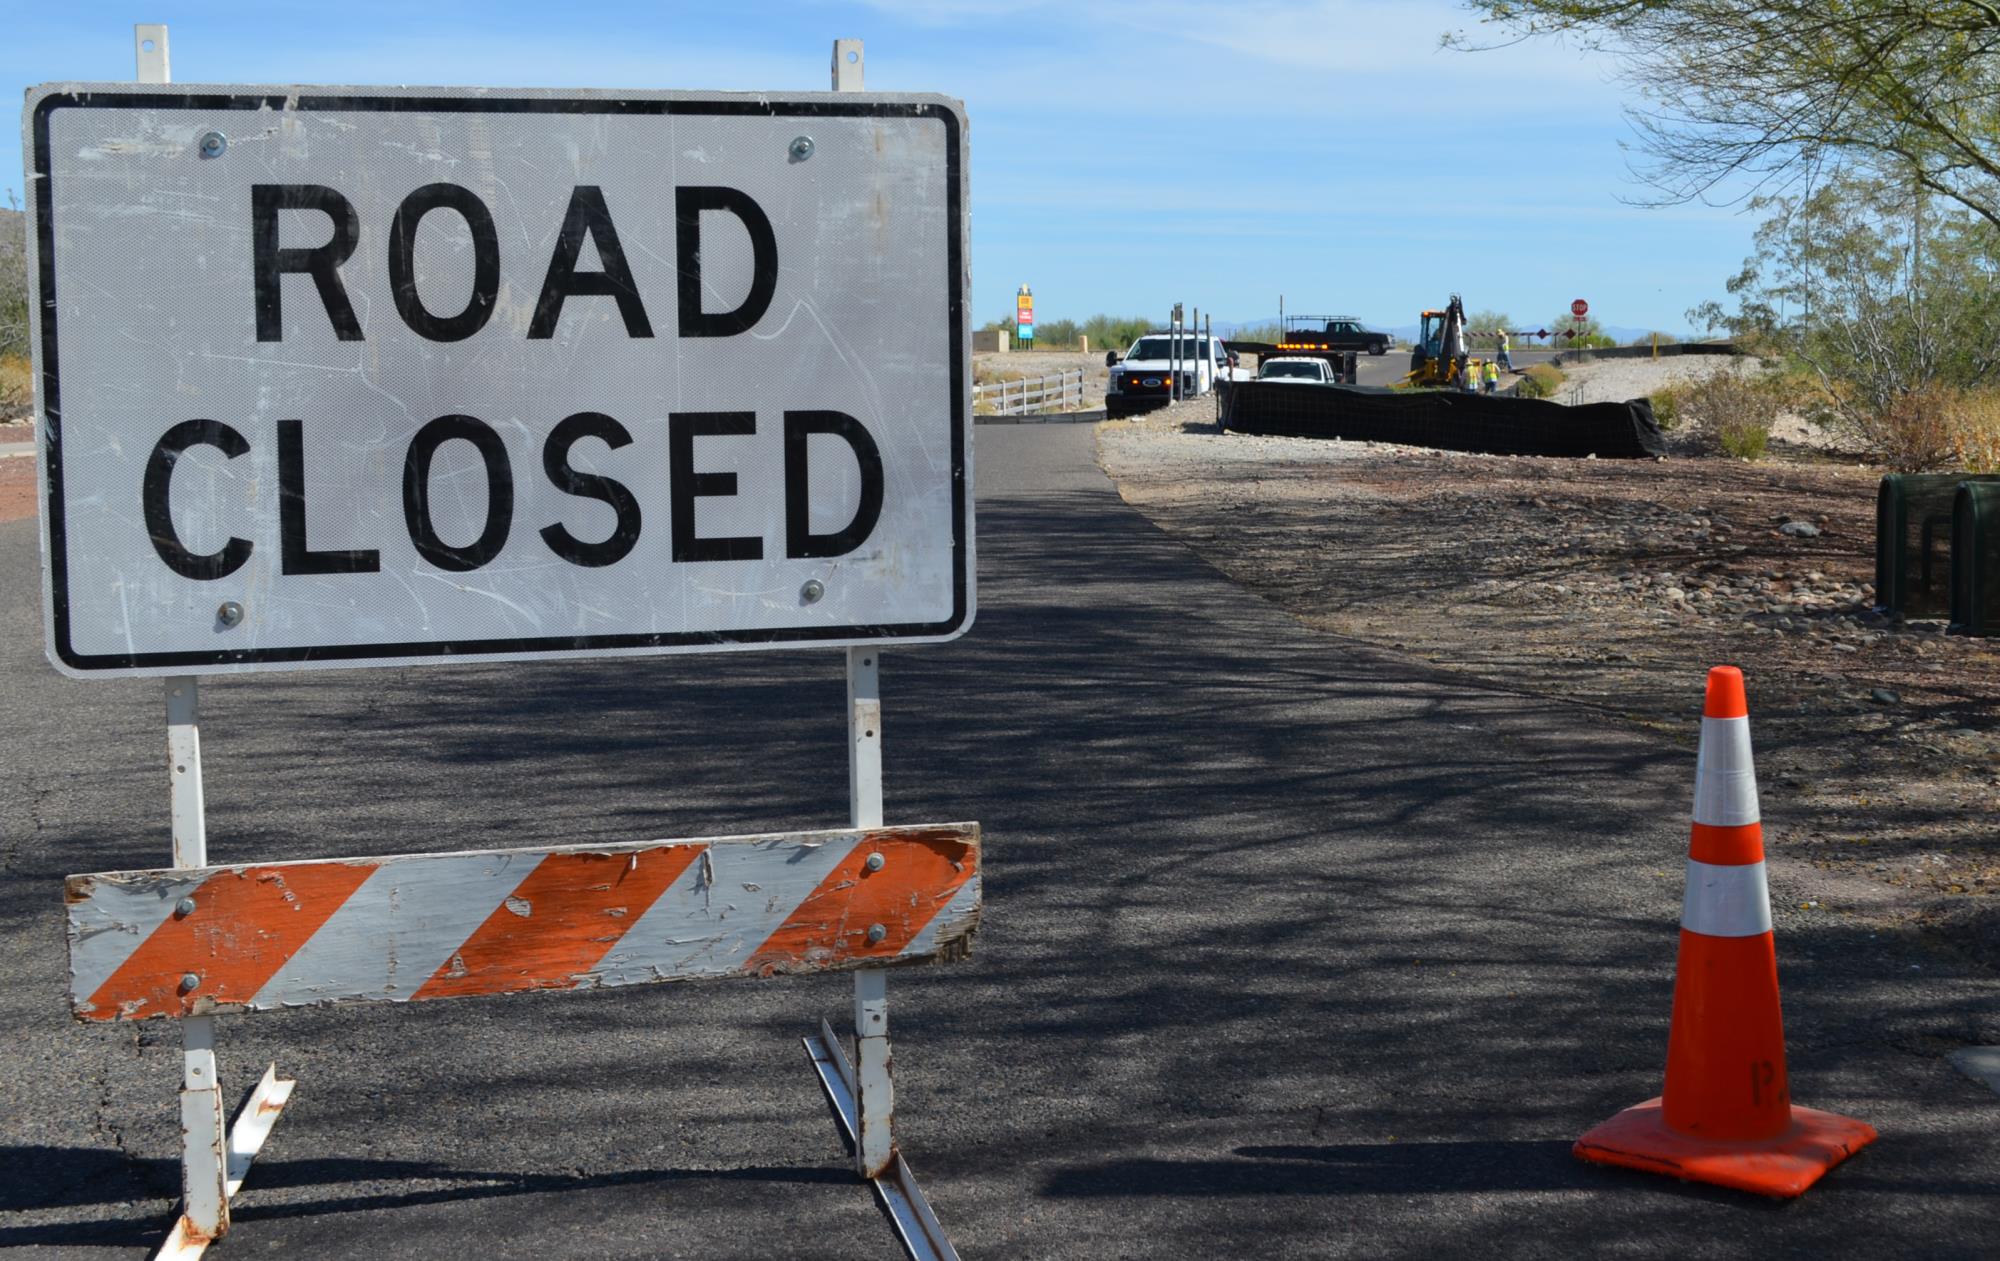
[
  {"x": 189, "y": 982},
  {"x": 184, "y": 907},
  {"x": 213, "y": 144},
  {"x": 802, "y": 148},
  {"x": 230, "y": 614},
  {"x": 875, "y": 935},
  {"x": 876, "y": 862},
  {"x": 812, "y": 591}
]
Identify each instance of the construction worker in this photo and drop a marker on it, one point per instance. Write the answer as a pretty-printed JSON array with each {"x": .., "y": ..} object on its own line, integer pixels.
[
  {"x": 1506, "y": 359},
  {"x": 1492, "y": 377},
  {"x": 1471, "y": 381}
]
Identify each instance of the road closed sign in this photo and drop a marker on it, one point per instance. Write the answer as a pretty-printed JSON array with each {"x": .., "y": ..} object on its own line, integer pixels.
[{"x": 380, "y": 377}]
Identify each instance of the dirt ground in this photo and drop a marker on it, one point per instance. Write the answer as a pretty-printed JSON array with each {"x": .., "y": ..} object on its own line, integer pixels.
[
  {"x": 17, "y": 475},
  {"x": 1615, "y": 585}
]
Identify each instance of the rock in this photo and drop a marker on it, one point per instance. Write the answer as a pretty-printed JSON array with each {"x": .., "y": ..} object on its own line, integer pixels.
[
  {"x": 1799, "y": 529},
  {"x": 1845, "y": 648},
  {"x": 1883, "y": 696}
]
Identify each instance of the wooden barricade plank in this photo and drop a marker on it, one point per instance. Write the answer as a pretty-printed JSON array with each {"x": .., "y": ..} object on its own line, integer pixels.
[{"x": 261, "y": 937}]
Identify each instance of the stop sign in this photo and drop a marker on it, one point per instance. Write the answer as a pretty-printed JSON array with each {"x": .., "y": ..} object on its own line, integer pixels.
[{"x": 1579, "y": 308}]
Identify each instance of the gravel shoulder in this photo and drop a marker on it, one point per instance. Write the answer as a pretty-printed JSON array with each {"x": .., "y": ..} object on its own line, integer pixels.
[{"x": 1615, "y": 585}]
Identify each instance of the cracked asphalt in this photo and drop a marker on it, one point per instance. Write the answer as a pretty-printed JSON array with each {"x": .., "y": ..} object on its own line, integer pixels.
[{"x": 1292, "y": 949}]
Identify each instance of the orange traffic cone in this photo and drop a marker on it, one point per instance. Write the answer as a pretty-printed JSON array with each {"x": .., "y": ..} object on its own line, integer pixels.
[{"x": 1727, "y": 1115}]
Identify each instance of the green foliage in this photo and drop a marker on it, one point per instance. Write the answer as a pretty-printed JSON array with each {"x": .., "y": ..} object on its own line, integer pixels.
[
  {"x": 1731, "y": 411},
  {"x": 1057, "y": 335},
  {"x": 1590, "y": 333},
  {"x": 1115, "y": 332},
  {"x": 1744, "y": 442},
  {"x": 1653, "y": 338},
  {"x": 1666, "y": 403},
  {"x": 1779, "y": 91},
  {"x": 13, "y": 284},
  {"x": 1482, "y": 328},
  {"x": 1106, "y": 332},
  {"x": 1541, "y": 380},
  {"x": 1877, "y": 292},
  {"x": 1270, "y": 333}
]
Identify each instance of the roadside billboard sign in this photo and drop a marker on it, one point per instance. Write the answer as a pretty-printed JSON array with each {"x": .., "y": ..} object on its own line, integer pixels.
[{"x": 364, "y": 376}]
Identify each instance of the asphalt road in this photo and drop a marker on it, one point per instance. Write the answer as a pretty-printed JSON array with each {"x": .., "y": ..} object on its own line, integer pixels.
[{"x": 1292, "y": 950}]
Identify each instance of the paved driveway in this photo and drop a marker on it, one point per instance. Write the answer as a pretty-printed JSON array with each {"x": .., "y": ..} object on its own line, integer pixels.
[{"x": 1292, "y": 950}]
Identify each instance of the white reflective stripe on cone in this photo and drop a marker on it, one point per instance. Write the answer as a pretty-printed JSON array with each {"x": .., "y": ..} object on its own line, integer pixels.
[
  {"x": 1725, "y": 783},
  {"x": 1726, "y": 901}
]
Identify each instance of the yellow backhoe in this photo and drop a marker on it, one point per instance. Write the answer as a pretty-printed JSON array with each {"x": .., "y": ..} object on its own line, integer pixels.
[{"x": 1438, "y": 361}]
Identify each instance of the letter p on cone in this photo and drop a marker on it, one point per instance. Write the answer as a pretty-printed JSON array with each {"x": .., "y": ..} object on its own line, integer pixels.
[{"x": 1727, "y": 1115}]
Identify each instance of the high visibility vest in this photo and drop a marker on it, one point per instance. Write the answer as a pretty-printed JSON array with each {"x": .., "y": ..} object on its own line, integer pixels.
[
  {"x": 1503, "y": 341},
  {"x": 1492, "y": 372}
]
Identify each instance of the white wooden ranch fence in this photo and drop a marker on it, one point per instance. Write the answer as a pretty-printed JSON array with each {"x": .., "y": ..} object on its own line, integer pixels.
[{"x": 1040, "y": 394}]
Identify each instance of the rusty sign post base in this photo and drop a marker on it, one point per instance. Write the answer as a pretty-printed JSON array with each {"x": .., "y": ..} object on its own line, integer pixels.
[
  {"x": 896, "y": 1188},
  {"x": 246, "y": 1138}
]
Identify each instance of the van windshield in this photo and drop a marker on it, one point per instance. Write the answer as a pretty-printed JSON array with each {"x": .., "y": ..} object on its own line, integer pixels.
[{"x": 1162, "y": 348}]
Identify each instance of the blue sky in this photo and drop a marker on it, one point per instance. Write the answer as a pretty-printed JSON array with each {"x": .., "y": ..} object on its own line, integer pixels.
[{"x": 1124, "y": 156}]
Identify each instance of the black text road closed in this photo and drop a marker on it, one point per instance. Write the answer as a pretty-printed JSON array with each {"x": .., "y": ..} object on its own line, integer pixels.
[{"x": 345, "y": 377}]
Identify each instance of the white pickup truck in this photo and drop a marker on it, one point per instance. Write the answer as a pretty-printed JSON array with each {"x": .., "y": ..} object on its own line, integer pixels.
[
  {"x": 1297, "y": 371},
  {"x": 1143, "y": 377}
]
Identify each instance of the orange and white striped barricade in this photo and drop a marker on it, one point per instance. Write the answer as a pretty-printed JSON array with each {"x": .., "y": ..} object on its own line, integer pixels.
[
  {"x": 173, "y": 943},
  {"x": 194, "y": 943}
]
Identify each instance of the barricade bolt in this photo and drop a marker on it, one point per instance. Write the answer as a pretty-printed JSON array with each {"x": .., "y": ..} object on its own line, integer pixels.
[
  {"x": 802, "y": 148},
  {"x": 876, "y": 862},
  {"x": 876, "y": 933},
  {"x": 213, "y": 144},
  {"x": 189, "y": 983},
  {"x": 184, "y": 907}
]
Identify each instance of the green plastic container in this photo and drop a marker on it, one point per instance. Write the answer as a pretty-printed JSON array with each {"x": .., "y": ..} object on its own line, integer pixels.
[
  {"x": 1913, "y": 533},
  {"x": 1975, "y": 559}
]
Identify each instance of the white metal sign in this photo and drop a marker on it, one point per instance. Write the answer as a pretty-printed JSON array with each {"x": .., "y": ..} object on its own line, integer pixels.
[{"x": 345, "y": 376}]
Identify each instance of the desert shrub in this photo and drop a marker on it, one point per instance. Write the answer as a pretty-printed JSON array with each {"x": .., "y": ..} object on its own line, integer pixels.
[
  {"x": 1541, "y": 380},
  {"x": 1057, "y": 335},
  {"x": 1115, "y": 332},
  {"x": 1743, "y": 439},
  {"x": 13, "y": 284},
  {"x": 1648, "y": 339},
  {"x": 1666, "y": 403},
  {"x": 1730, "y": 412},
  {"x": 1975, "y": 431},
  {"x": 16, "y": 383},
  {"x": 1912, "y": 433}
]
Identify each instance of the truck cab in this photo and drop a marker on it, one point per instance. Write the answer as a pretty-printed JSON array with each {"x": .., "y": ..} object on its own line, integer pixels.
[
  {"x": 1320, "y": 334},
  {"x": 1143, "y": 377}
]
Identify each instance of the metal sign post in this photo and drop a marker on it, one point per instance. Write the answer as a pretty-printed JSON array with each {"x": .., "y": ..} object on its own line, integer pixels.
[
  {"x": 863, "y": 1098},
  {"x": 684, "y": 445},
  {"x": 214, "y": 1161}
]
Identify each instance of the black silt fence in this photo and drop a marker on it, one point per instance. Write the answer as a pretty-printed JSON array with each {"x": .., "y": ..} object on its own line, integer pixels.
[{"x": 1447, "y": 420}]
